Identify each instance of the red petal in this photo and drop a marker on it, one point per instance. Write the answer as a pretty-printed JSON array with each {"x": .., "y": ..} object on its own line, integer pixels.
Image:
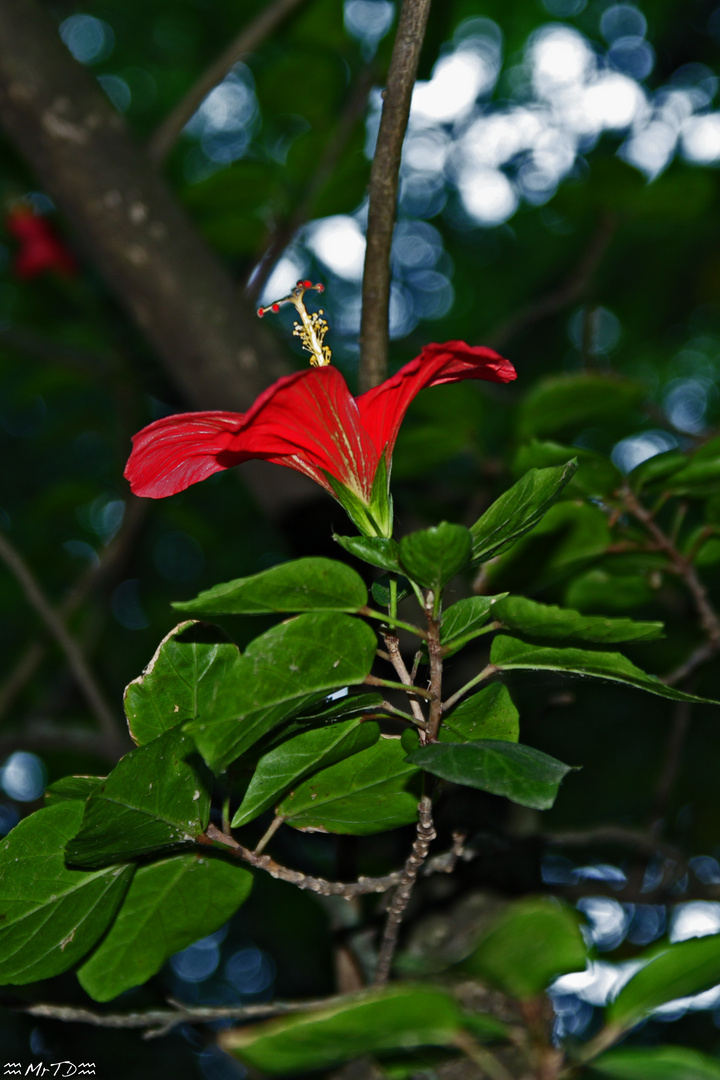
[
  {"x": 382, "y": 409},
  {"x": 181, "y": 450},
  {"x": 307, "y": 421}
]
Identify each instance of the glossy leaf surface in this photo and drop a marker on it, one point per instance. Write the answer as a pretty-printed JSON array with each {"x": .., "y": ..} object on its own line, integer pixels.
[
  {"x": 431, "y": 557},
  {"x": 181, "y": 680},
  {"x": 518, "y": 510},
  {"x": 547, "y": 620},
  {"x": 280, "y": 673},
  {"x": 291, "y": 761},
  {"x": 169, "y": 905},
  {"x": 367, "y": 793},
  {"x": 51, "y": 916},
  {"x": 466, "y": 619},
  {"x": 156, "y": 797},
  {"x": 375, "y": 550},
  {"x": 512, "y": 655},
  {"x": 489, "y": 714},
  {"x": 312, "y": 584},
  {"x": 520, "y": 773}
]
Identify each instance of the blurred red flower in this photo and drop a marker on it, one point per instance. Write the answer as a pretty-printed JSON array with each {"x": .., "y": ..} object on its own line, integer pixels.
[{"x": 41, "y": 249}]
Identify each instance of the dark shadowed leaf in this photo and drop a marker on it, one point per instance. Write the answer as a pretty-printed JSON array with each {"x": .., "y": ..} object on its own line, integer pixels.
[
  {"x": 367, "y": 793},
  {"x": 156, "y": 797},
  {"x": 489, "y": 714},
  {"x": 596, "y": 474},
  {"x": 431, "y": 557},
  {"x": 509, "y": 654},
  {"x": 546, "y": 620},
  {"x": 399, "y": 1018},
  {"x": 180, "y": 681},
  {"x": 530, "y": 944},
  {"x": 169, "y": 905},
  {"x": 382, "y": 592},
  {"x": 518, "y": 510},
  {"x": 312, "y": 584},
  {"x": 290, "y": 762},
  {"x": 282, "y": 672},
  {"x": 673, "y": 971},
  {"x": 518, "y": 772},
  {"x": 563, "y": 402},
  {"x": 50, "y": 917}
]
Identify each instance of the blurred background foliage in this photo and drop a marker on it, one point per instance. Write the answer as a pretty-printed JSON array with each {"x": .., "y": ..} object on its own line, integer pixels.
[{"x": 559, "y": 201}]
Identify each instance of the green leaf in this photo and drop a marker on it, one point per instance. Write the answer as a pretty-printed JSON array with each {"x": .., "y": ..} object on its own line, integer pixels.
[
  {"x": 465, "y": 620},
  {"x": 530, "y": 944},
  {"x": 381, "y": 501},
  {"x": 596, "y": 474},
  {"x": 657, "y": 469},
  {"x": 340, "y": 708},
  {"x": 657, "y": 1063},
  {"x": 673, "y": 971},
  {"x": 72, "y": 787},
  {"x": 546, "y": 620},
  {"x": 181, "y": 680},
  {"x": 433, "y": 556},
  {"x": 313, "y": 584},
  {"x": 358, "y": 511},
  {"x": 153, "y": 799},
  {"x": 169, "y": 905},
  {"x": 509, "y": 654},
  {"x": 367, "y": 793},
  {"x": 490, "y": 714},
  {"x": 398, "y": 1018},
  {"x": 381, "y": 589},
  {"x": 572, "y": 402},
  {"x": 290, "y": 762},
  {"x": 518, "y": 510},
  {"x": 50, "y": 917},
  {"x": 518, "y": 772},
  {"x": 375, "y": 550},
  {"x": 281, "y": 672}
]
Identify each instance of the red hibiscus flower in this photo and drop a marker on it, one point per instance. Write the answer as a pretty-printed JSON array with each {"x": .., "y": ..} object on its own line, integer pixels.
[
  {"x": 310, "y": 422},
  {"x": 41, "y": 249}
]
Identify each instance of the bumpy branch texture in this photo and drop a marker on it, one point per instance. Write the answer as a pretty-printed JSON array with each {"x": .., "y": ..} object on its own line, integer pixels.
[
  {"x": 383, "y": 190},
  {"x": 126, "y": 219}
]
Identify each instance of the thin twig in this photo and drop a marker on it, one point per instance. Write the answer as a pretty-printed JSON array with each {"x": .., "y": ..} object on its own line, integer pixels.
[
  {"x": 249, "y": 39},
  {"x": 383, "y": 190},
  {"x": 423, "y": 839},
  {"x": 95, "y": 576},
  {"x": 78, "y": 665},
  {"x": 436, "y": 668},
  {"x": 321, "y": 886},
  {"x": 566, "y": 293},
  {"x": 281, "y": 235},
  {"x": 393, "y": 648},
  {"x": 163, "y": 1020}
]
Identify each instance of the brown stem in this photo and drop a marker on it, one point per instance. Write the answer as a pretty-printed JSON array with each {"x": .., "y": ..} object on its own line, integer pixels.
[
  {"x": 248, "y": 40},
  {"x": 436, "y": 669},
  {"x": 160, "y": 1021},
  {"x": 393, "y": 648},
  {"x": 321, "y": 886},
  {"x": 424, "y": 837},
  {"x": 383, "y": 191},
  {"x": 76, "y": 661}
]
